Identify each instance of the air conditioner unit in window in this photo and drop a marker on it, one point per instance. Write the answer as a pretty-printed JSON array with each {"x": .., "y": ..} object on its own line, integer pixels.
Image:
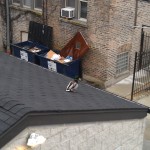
[{"x": 67, "y": 12}]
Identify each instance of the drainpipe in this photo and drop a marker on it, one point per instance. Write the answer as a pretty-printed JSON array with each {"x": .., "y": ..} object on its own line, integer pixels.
[
  {"x": 44, "y": 12},
  {"x": 7, "y": 27},
  {"x": 136, "y": 11}
]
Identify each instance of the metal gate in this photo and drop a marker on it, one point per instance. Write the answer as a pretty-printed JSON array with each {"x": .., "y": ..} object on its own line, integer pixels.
[
  {"x": 141, "y": 74},
  {"x": 141, "y": 77}
]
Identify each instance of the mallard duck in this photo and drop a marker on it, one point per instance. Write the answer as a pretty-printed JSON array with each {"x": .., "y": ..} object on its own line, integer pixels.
[{"x": 72, "y": 86}]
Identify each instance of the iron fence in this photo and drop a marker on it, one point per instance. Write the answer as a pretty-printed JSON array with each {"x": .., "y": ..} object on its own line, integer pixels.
[
  {"x": 141, "y": 75},
  {"x": 145, "y": 39},
  {"x": 146, "y": 42}
]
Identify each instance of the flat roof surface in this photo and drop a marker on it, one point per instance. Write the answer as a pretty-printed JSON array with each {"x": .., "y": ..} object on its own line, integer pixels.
[{"x": 27, "y": 88}]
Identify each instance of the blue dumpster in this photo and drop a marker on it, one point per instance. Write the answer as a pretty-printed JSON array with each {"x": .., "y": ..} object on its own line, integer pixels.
[
  {"x": 39, "y": 42},
  {"x": 71, "y": 69},
  {"x": 75, "y": 49}
]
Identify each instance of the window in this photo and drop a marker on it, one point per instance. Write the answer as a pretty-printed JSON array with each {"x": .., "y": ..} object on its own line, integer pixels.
[
  {"x": 70, "y": 3},
  {"x": 38, "y": 4},
  {"x": 16, "y": 1},
  {"x": 31, "y": 4},
  {"x": 27, "y": 3},
  {"x": 80, "y": 8},
  {"x": 122, "y": 62}
]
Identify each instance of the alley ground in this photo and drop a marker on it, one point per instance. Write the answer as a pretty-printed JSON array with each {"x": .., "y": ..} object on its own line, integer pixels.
[{"x": 123, "y": 88}]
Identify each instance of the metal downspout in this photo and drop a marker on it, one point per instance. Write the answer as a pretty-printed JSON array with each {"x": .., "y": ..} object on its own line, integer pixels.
[
  {"x": 7, "y": 27},
  {"x": 136, "y": 11}
]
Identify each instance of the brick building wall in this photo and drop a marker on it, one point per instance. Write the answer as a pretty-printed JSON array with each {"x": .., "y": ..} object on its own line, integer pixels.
[
  {"x": 108, "y": 31},
  {"x": 120, "y": 34},
  {"x": 110, "y": 135},
  {"x": 20, "y": 21}
]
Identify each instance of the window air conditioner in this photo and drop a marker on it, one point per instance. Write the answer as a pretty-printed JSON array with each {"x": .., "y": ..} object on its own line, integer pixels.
[{"x": 67, "y": 12}]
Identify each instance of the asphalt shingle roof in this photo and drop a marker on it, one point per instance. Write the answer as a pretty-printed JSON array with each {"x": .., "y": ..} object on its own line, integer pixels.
[{"x": 26, "y": 88}]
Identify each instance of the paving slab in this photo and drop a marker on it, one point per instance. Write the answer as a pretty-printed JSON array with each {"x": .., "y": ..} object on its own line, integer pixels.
[{"x": 122, "y": 88}]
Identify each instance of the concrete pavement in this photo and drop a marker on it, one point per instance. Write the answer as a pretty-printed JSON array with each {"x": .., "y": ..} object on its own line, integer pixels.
[{"x": 123, "y": 89}]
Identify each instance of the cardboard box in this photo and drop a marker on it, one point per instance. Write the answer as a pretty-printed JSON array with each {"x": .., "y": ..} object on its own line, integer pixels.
[{"x": 50, "y": 54}]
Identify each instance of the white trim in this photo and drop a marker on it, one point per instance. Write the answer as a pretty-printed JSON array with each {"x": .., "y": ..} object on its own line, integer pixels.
[
  {"x": 65, "y": 3},
  {"x": 16, "y": 4},
  {"x": 83, "y": 19},
  {"x": 38, "y": 9},
  {"x": 25, "y": 6}
]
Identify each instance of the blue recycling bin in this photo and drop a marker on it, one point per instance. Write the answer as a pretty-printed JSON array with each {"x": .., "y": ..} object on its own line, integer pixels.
[
  {"x": 22, "y": 50},
  {"x": 39, "y": 42},
  {"x": 71, "y": 69}
]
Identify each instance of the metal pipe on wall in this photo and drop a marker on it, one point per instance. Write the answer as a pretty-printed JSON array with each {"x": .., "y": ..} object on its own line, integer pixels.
[
  {"x": 44, "y": 12},
  {"x": 7, "y": 27},
  {"x": 136, "y": 11}
]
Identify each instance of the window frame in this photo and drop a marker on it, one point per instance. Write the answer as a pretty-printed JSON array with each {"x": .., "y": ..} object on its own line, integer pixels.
[
  {"x": 39, "y": 9},
  {"x": 79, "y": 10},
  {"x": 32, "y": 7},
  {"x": 25, "y": 6}
]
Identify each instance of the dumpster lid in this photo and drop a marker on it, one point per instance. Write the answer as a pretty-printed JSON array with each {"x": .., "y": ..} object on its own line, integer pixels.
[
  {"x": 76, "y": 47},
  {"x": 40, "y": 33}
]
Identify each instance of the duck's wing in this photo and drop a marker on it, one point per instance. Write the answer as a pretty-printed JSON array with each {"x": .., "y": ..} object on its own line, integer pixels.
[{"x": 70, "y": 86}]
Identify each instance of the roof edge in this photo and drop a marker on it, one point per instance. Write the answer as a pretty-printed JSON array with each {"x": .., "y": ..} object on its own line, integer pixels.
[{"x": 51, "y": 118}]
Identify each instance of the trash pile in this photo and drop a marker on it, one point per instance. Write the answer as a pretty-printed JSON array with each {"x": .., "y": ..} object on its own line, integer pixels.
[{"x": 53, "y": 56}]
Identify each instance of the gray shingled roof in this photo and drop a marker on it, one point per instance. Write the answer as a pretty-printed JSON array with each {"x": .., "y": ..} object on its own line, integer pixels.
[{"x": 27, "y": 88}]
